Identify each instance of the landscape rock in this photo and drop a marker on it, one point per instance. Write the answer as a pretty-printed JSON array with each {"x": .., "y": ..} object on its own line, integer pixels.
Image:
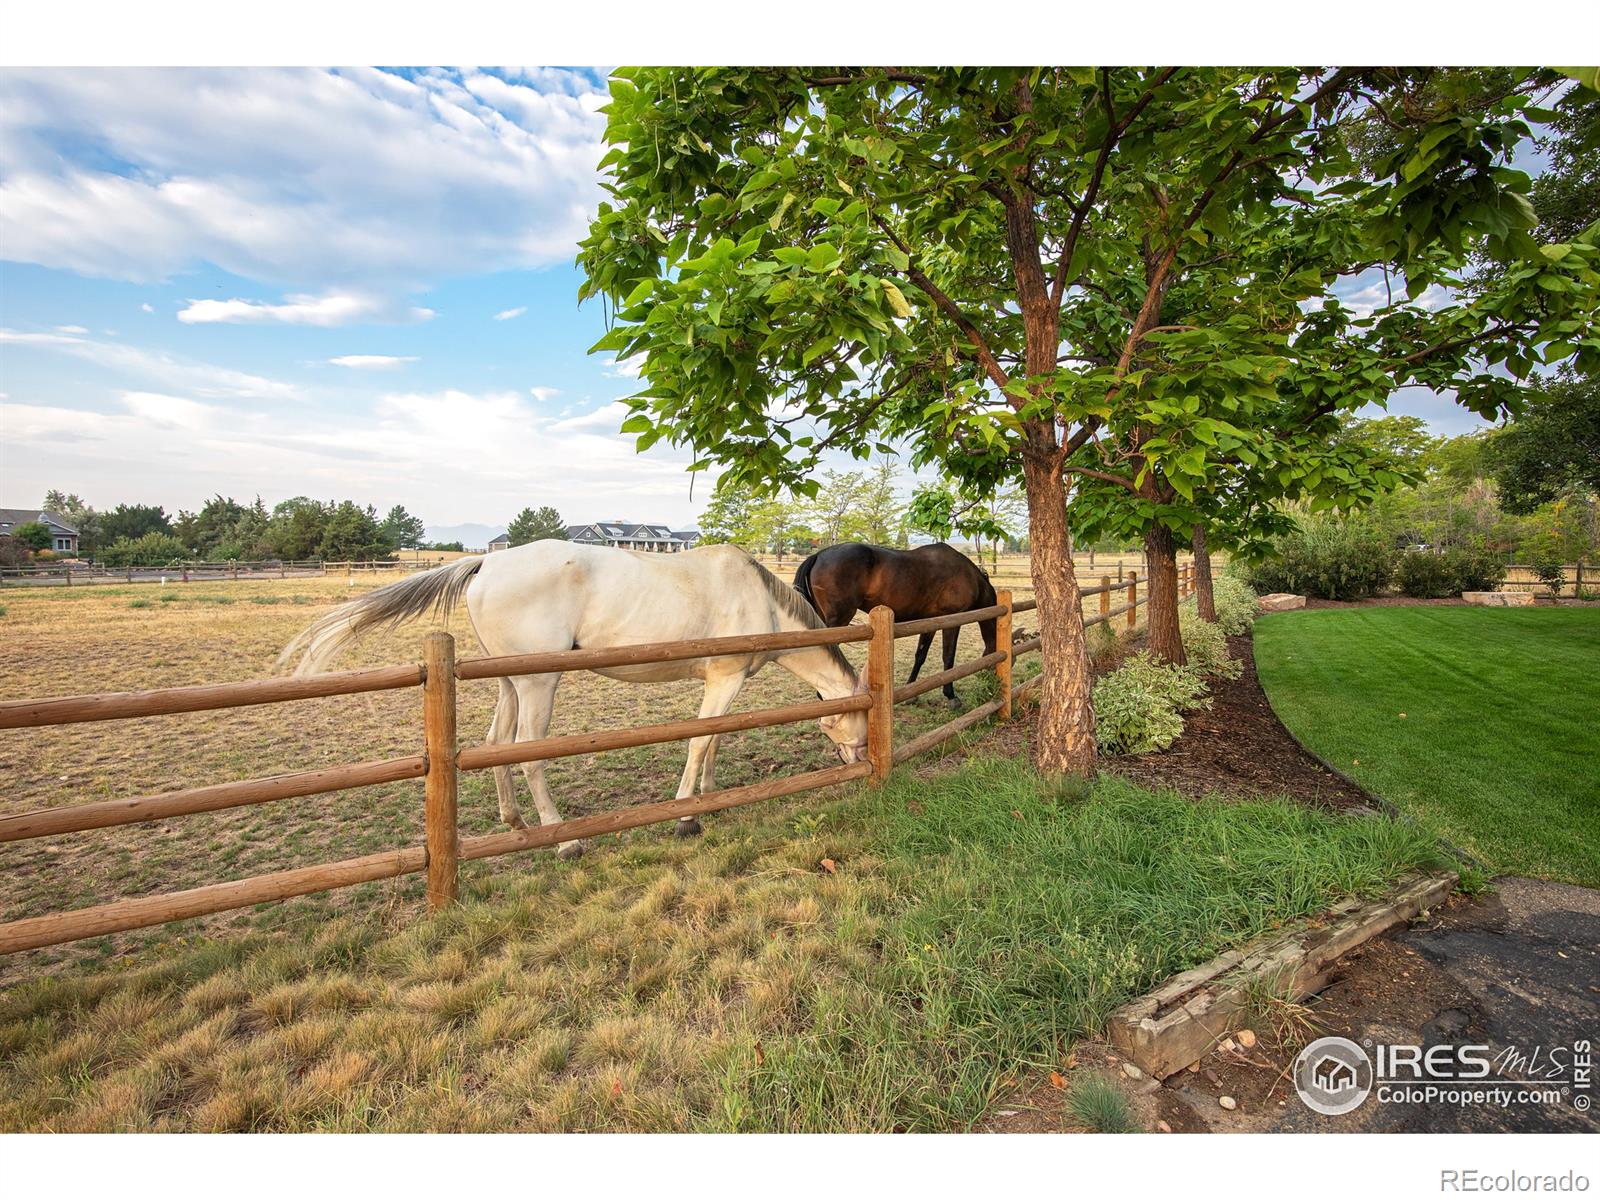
[
  {"x": 1280, "y": 602},
  {"x": 1499, "y": 599},
  {"x": 1131, "y": 1071},
  {"x": 1247, "y": 1038},
  {"x": 1228, "y": 1102}
]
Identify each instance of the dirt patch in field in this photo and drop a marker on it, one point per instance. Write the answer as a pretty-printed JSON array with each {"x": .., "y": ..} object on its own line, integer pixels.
[{"x": 1239, "y": 747}]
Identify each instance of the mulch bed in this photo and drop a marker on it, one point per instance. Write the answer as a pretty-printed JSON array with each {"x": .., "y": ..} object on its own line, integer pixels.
[{"x": 1238, "y": 747}]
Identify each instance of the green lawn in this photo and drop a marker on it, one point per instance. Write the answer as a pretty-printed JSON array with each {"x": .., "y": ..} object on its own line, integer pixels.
[{"x": 1484, "y": 724}]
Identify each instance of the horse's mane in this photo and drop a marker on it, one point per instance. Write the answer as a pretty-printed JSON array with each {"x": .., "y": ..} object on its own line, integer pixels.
[
  {"x": 796, "y": 605},
  {"x": 789, "y": 600}
]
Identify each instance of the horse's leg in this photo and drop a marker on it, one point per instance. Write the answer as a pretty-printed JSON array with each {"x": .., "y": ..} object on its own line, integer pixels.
[
  {"x": 952, "y": 635},
  {"x": 502, "y": 728},
  {"x": 923, "y": 643},
  {"x": 536, "y": 697},
  {"x": 721, "y": 691},
  {"x": 708, "y": 767}
]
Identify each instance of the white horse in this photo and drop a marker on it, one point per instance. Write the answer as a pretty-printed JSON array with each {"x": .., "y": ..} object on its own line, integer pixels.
[{"x": 555, "y": 595}]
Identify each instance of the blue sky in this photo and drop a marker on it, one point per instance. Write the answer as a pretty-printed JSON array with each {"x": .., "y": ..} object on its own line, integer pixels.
[
  {"x": 333, "y": 283},
  {"x": 336, "y": 283}
]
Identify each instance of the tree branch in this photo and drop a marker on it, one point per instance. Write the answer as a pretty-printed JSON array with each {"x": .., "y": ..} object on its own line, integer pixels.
[
  {"x": 1106, "y": 476},
  {"x": 950, "y": 308},
  {"x": 1114, "y": 130}
]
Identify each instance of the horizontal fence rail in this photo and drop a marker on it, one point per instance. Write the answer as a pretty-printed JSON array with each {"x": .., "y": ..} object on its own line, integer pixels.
[
  {"x": 111, "y": 706},
  {"x": 443, "y": 759}
]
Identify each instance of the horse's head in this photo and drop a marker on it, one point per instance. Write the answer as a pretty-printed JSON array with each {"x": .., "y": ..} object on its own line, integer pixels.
[{"x": 848, "y": 731}]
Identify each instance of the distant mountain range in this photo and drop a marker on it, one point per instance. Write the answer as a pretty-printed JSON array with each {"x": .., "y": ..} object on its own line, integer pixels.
[{"x": 472, "y": 536}]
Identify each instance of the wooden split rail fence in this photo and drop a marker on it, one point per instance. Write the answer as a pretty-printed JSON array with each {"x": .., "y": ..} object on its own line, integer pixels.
[{"x": 442, "y": 760}]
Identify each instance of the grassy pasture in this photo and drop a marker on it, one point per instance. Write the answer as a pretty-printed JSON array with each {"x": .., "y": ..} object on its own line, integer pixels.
[
  {"x": 113, "y": 638},
  {"x": 1482, "y": 723},
  {"x": 866, "y": 960}
]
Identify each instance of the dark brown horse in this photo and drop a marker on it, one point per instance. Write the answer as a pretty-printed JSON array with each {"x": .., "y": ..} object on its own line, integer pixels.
[{"x": 929, "y": 581}]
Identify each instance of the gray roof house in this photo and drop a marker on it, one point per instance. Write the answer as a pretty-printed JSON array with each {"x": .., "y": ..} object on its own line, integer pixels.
[
  {"x": 63, "y": 536},
  {"x": 500, "y": 541},
  {"x": 629, "y": 536}
]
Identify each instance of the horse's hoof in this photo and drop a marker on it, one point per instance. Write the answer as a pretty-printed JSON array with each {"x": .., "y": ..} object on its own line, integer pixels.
[
  {"x": 952, "y": 703},
  {"x": 688, "y": 827},
  {"x": 570, "y": 851}
]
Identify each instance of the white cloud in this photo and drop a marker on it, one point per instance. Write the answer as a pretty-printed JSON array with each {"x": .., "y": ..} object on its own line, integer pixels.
[
  {"x": 331, "y": 309},
  {"x": 542, "y": 394},
  {"x": 159, "y": 367},
  {"x": 1375, "y": 295},
  {"x": 315, "y": 178},
  {"x": 448, "y": 456},
  {"x": 146, "y": 308},
  {"x": 372, "y": 362},
  {"x": 607, "y": 417},
  {"x": 625, "y": 368},
  {"x": 71, "y": 329},
  {"x": 510, "y": 313}
]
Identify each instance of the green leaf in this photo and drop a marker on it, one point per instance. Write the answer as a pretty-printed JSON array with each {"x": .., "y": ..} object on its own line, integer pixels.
[{"x": 896, "y": 298}]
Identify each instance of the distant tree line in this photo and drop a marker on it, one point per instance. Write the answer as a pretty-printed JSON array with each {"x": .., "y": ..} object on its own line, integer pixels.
[{"x": 225, "y": 530}]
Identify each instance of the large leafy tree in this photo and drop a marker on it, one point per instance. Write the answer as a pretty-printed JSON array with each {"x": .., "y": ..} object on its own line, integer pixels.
[
  {"x": 1118, "y": 276},
  {"x": 1553, "y": 449},
  {"x": 79, "y": 514},
  {"x": 133, "y": 521}
]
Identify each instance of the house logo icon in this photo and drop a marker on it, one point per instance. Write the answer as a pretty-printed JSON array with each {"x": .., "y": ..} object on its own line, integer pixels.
[{"x": 1333, "y": 1076}]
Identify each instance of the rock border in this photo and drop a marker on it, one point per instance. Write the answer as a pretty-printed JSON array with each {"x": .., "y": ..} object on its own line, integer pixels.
[{"x": 1175, "y": 1025}]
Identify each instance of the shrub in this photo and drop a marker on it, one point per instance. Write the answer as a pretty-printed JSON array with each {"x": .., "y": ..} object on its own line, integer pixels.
[
  {"x": 1236, "y": 604},
  {"x": 1551, "y": 575},
  {"x": 151, "y": 550},
  {"x": 1206, "y": 645},
  {"x": 1329, "y": 558},
  {"x": 35, "y": 535},
  {"x": 45, "y": 556},
  {"x": 1424, "y": 574},
  {"x": 1137, "y": 706},
  {"x": 1477, "y": 568}
]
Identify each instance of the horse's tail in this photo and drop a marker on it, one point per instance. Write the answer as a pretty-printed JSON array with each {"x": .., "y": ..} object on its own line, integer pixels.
[
  {"x": 802, "y": 581},
  {"x": 438, "y": 589}
]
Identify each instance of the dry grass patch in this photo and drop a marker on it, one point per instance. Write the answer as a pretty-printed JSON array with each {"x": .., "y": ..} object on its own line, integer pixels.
[{"x": 64, "y": 641}]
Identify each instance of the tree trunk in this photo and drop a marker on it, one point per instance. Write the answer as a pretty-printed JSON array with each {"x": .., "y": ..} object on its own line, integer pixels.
[
  {"x": 1205, "y": 599},
  {"x": 1064, "y": 740},
  {"x": 1163, "y": 639}
]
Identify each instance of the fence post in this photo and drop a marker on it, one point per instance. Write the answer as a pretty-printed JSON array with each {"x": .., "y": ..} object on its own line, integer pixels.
[
  {"x": 439, "y": 786},
  {"x": 1133, "y": 599},
  {"x": 880, "y": 686},
  {"x": 1002, "y": 644},
  {"x": 1105, "y": 600}
]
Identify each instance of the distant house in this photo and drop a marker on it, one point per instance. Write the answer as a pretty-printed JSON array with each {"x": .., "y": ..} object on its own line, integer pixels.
[
  {"x": 500, "y": 541},
  {"x": 63, "y": 537},
  {"x": 626, "y": 535}
]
